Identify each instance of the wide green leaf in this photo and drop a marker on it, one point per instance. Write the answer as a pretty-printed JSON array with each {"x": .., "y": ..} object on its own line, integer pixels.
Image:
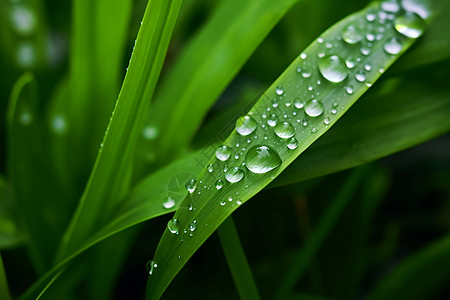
[{"x": 302, "y": 104}]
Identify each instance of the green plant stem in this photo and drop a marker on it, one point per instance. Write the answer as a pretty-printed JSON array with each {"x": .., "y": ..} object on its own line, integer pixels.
[
  {"x": 318, "y": 236},
  {"x": 4, "y": 290},
  {"x": 237, "y": 261}
]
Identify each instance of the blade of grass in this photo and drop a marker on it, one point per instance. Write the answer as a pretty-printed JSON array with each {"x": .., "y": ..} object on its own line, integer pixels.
[
  {"x": 110, "y": 177},
  {"x": 237, "y": 261},
  {"x": 313, "y": 243},
  {"x": 99, "y": 34},
  {"x": 207, "y": 66},
  {"x": 427, "y": 267},
  {"x": 4, "y": 290},
  {"x": 10, "y": 235},
  {"x": 209, "y": 204}
]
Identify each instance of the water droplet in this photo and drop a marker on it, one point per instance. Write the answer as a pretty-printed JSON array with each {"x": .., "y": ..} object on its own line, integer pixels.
[
  {"x": 191, "y": 185},
  {"x": 393, "y": 46},
  {"x": 333, "y": 68},
  {"x": 390, "y": 6},
  {"x": 314, "y": 108},
  {"x": 326, "y": 121},
  {"x": 350, "y": 62},
  {"x": 360, "y": 76},
  {"x": 292, "y": 143},
  {"x": 219, "y": 184},
  {"x": 193, "y": 226},
  {"x": 223, "y": 202},
  {"x": 169, "y": 203},
  {"x": 151, "y": 266},
  {"x": 245, "y": 125},
  {"x": 238, "y": 201},
  {"x": 314, "y": 130},
  {"x": 26, "y": 54},
  {"x": 334, "y": 111},
  {"x": 262, "y": 159},
  {"x": 150, "y": 132},
  {"x": 349, "y": 90},
  {"x": 365, "y": 51},
  {"x": 190, "y": 206},
  {"x": 284, "y": 130},
  {"x": 223, "y": 153},
  {"x": 272, "y": 120},
  {"x": 370, "y": 17},
  {"x": 299, "y": 103},
  {"x": 172, "y": 225},
  {"x": 368, "y": 67},
  {"x": 23, "y": 20},
  {"x": 303, "y": 55},
  {"x": 410, "y": 25},
  {"x": 306, "y": 73},
  {"x": 279, "y": 90},
  {"x": 210, "y": 168},
  {"x": 234, "y": 175}
]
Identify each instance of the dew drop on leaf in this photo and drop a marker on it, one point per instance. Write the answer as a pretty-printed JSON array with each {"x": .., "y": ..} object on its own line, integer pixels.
[
  {"x": 393, "y": 46},
  {"x": 410, "y": 25},
  {"x": 333, "y": 68},
  {"x": 245, "y": 125},
  {"x": 292, "y": 143},
  {"x": 284, "y": 130},
  {"x": 151, "y": 266},
  {"x": 272, "y": 120},
  {"x": 191, "y": 185},
  {"x": 234, "y": 175},
  {"x": 261, "y": 159},
  {"x": 219, "y": 184},
  {"x": 169, "y": 203},
  {"x": 314, "y": 108},
  {"x": 223, "y": 153},
  {"x": 172, "y": 225}
]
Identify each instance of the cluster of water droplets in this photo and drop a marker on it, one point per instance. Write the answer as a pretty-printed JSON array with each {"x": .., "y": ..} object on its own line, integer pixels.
[{"x": 297, "y": 110}]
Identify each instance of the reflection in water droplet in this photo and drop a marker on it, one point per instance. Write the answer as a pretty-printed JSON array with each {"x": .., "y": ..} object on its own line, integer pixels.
[
  {"x": 223, "y": 153},
  {"x": 314, "y": 108},
  {"x": 262, "y": 159},
  {"x": 172, "y": 225},
  {"x": 234, "y": 175},
  {"x": 410, "y": 25},
  {"x": 245, "y": 125},
  {"x": 284, "y": 130},
  {"x": 169, "y": 203},
  {"x": 393, "y": 46},
  {"x": 333, "y": 68}
]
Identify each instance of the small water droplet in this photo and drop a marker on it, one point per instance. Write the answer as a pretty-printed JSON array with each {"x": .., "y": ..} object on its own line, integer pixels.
[
  {"x": 292, "y": 143},
  {"x": 350, "y": 62},
  {"x": 314, "y": 130},
  {"x": 59, "y": 124},
  {"x": 303, "y": 55},
  {"x": 223, "y": 153},
  {"x": 272, "y": 120},
  {"x": 169, "y": 203},
  {"x": 365, "y": 51},
  {"x": 193, "y": 226},
  {"x": 368, "y": 67},
  {"x": 349, "y": 90},
  {"x": 238, "y": 201},
  {"x": 150, "y": 132},
  {"x": 151, "y": 266},
  {"x": 393, "y": 46},
  {"x": 314, "y": 108},
  {"x": 333, "y": 68},
  {"x": 299, "y": 103},
  {"x": 360, "y": 76},
  {"x": 371, "y": 17},
  {"x": 262, "y": 159},
  {"x": 172, "y": 225},
  {"x": 219, "y": 184},
  {"x": 234, "y": 175},
  {"x": 245, "y": 125},
  {"x": 191, "y": 185},
  {"x": 284, "y": 130},
  {"x": 279, "y": 90},
  {"x": 326, "y": 121},
  {"x": 390, "y": 6},
  {"x": 25, "y": 118},
  {"x": 306, "y": 73},
  {"x": 410, "y": 25},
  {"x": 23, "y": 20},
  {"x": 210, "y": 168}
]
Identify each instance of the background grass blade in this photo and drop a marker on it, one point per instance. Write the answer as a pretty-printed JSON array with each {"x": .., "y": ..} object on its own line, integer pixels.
[
  {"x": 320, "y": 233},
  {"x": 212, "y": 206},
  {"x": 110, "y": 177},
  {"x": 237, "y": 261},
  {"x": 427, "y": 267},
  {"x": 10, "y": 234},
  {"x": 218, "y": 52},
  {"x": 4, "y": 290},
  {"x": 99, "y": 34}
]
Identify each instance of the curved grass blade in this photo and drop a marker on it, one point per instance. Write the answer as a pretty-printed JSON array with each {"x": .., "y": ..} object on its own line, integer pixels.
[
  {"x": 311, "y": 246},
  {"x": 263, "y": 149},
  {"x": 427, "y": 267},
  {"x": 237, "y": 262},
  {"x": 4, "y": 290},
  {"x": 110, "y": 177},
  {"x": 217, "y": 54}
]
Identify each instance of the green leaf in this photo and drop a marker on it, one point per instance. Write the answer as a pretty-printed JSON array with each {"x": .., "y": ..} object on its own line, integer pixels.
[
  {"x": 313, "y": 243},
  {"x": 10, "y": 235},
  {"x": 4, "y": 290},
  {"x": 237, "y": 262},
  {"x": 207, "y": 66},
  {"x": 110, "y": 178},
  {"x": 419, "y": 276},
  {"x": 338, "y": 84}
]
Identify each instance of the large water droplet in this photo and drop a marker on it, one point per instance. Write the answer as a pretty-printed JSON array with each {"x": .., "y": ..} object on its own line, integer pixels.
[
  {"x": 191, "y": 185},
  {"x": 393, "y": 46},
  {"x": 410, "y": 25},
  {"x": 234, "y": 175},
  {"x": 223, "y": 153},
  {"x": 314, "y": 108},
  {"x": 262, "y": 159},
  {"x": 169, "y": 203},
  {"x": 284, "y": 130},
  {"x": 333, "y": 68},
  {"x": 151, "y": 266},
  {"x": 172, "y": 225},
  {"x": 351, "y": 34},
  {"x": 245, "y": 125}
]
